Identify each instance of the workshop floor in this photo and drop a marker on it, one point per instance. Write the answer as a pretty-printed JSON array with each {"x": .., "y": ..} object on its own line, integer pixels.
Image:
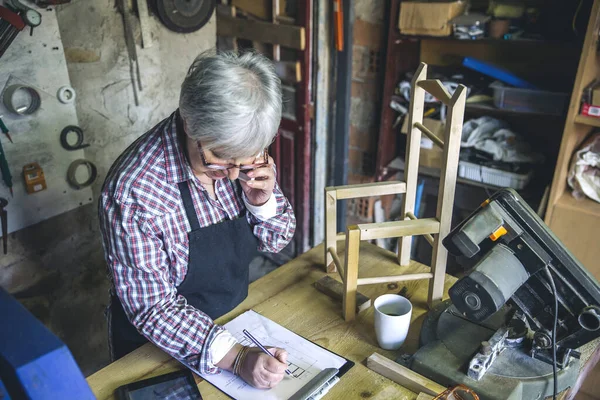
[{"x": 72, "y": 303}]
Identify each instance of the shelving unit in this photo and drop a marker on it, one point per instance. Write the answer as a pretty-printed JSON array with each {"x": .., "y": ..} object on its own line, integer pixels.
[{"x": 574, "y": 221}]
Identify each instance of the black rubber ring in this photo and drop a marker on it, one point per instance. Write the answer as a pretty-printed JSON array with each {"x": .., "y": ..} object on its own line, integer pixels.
[
  {"x": 63, "y": 138},
  {"x": 73, "y": 168}
]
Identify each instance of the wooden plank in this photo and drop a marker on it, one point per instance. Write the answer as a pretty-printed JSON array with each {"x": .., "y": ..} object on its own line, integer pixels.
[
  {"x": 260, "y": 8},
  {"x": 330, "y": 228},
  {"x": 228, "y": 43},
  {"x": 394, "y": 278},
  {"x": 142, "y": 6},
  {"x": 285, "y": 35},
  {"x": 335, "y": 290},
  {"x": 369, "y": 189},
  {"x": 427, "y": 236},
  {"x": 403, "y": 376},
  {"x": 337, "y": 262},
  {"x": 435, "y": 88},
  {"x": 393, "y": 229},
  {"x": 445, "y": 204},
  {"x": 351, "y": 272},
  {"x": 439, "y": 142},
  {"x": 288, "y": 71},
  {"x": 413, "y": 148}
]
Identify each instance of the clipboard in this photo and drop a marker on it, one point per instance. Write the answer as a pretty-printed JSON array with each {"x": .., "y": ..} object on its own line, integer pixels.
[{"x": 315, "y": 369}]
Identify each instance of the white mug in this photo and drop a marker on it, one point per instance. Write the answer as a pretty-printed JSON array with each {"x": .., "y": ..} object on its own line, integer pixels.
[{"x": 392, "y": 319}]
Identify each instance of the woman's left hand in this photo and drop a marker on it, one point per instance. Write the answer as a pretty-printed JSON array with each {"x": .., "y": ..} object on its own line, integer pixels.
[{"x": 260, "y": 188}]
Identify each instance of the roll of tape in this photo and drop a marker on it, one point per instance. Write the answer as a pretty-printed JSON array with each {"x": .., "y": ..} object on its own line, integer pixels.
[
  {"x": 72, "y": 179},
  {"x": 22, "y": 109},
  {"x": 66, "y": 94},
  {"x": 64, "y": 140}
]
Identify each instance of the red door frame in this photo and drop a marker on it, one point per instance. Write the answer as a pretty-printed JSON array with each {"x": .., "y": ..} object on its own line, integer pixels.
[{"x": 292, "y": 147}]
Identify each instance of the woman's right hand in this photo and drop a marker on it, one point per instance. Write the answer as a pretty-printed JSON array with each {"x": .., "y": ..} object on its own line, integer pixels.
[{"x": 263, "y": 371}]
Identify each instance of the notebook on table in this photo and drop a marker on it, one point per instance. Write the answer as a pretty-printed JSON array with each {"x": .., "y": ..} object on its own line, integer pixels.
[{"x": 314, "y": 368}]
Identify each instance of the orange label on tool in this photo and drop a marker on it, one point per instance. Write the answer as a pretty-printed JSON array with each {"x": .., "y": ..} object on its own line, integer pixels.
[{"x": 498, "y": 233}]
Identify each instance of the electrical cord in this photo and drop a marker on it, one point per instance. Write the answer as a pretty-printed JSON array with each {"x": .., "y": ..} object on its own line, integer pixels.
[{"x": 555, "y": 294}]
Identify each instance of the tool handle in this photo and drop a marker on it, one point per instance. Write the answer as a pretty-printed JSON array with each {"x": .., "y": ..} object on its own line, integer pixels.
[{"x": 6, "y": 176}]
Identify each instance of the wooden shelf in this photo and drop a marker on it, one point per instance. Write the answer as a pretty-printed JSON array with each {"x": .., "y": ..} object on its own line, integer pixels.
[
  {"x": 489, "y": 40},
  {"x": 585, "y": 205},
  {"x": 491, "y": 109},
  {"x": 585, "y": 120}
]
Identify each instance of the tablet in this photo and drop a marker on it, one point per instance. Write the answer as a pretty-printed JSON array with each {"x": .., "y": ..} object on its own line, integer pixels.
[{"x": 178, "y": 385}]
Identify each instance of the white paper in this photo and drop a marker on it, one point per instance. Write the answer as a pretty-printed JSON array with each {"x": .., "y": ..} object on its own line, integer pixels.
[
  {"x": 305, "y": 359},
  {"x": 426, "y": 143}
]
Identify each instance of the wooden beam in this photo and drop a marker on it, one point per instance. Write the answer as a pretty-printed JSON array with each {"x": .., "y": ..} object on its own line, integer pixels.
[
  {"x": 435, "y": 88},
  {"x": 394, "y": 278},
  {"x": 447, "y": 188},
  {"x": 403, "y": 376},
  {"x": 259, "y": 8},
  {"x": 413, "y": 150},
  {"x": 335, "y": 290},
  {"x": 393, "y": 229},
  {"x": 427, "y": 236},
  {"x": 351, "y": 272},
  {"x": 288, "y": 71},
  {"x": 369, "y": 189},
  {"x": 330, "y": 228},
  {"x": 337, "y": 262},
  {"x": 265, "y": 32},
  {"x": 439, "y": 142}
]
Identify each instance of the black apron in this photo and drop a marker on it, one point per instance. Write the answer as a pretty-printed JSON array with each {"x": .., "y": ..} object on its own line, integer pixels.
[{"x": 217, "y": 274}]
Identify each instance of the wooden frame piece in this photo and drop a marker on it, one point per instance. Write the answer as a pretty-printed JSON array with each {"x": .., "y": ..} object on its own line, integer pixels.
[
  {"x": 403, "y": 376},
  {"x": 291, "y": 36},
  {"x": 410, "y": 225}
]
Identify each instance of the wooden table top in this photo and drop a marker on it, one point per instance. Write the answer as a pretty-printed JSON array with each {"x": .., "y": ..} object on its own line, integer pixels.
[{"x": 287, "y": 297}]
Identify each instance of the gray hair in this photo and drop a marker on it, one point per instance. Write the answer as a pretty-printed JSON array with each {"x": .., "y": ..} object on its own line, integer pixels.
[{"x": 231, "y": 103}]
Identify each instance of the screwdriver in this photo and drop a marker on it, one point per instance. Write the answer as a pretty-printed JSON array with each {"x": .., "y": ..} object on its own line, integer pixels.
[
  {"x": 4, "y": 130},
  {"x": 6, "y": 176}
]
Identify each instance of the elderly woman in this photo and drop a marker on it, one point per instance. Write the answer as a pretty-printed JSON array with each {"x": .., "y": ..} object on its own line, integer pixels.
[{"x": 184, "y": 210}]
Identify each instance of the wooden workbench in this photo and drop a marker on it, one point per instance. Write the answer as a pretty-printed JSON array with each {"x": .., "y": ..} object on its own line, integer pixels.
[{"x": 287, "y": 297}]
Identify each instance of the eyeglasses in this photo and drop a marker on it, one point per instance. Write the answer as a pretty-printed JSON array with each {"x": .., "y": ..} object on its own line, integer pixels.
[{"x": 221, "y": 170}]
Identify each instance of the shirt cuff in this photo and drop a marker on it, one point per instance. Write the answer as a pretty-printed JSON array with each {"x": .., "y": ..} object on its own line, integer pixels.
[
  {"x": 264, "y": 212},
  {"x": 223, "y": 342}
]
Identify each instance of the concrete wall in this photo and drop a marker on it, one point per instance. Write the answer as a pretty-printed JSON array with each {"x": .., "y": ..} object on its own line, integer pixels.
[{"x": 56, "y": 268}]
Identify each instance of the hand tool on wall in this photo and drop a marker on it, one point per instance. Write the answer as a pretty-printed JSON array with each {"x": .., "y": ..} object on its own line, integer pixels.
[
  {"x": 6, "y": 176},
  {"x": 11, "y": 24},
  {"x": 5, "y": 130},
  {"x": 35, "y": 181},
  {"x": 31, "y": 17},
  {"x": 338, "y": 16},
  {"x": 4, "y": 218},
  {"x": 134, "y": 66}
]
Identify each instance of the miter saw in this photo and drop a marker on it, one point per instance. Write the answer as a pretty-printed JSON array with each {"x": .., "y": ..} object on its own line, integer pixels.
[{"x": 498, "y": 333}]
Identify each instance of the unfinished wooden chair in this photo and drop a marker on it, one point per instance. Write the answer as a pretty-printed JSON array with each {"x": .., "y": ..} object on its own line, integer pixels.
[{"x": 433, "y": 229}]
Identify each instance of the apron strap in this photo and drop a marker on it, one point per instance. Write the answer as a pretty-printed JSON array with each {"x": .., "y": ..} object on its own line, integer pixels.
[{"x": 188, "y": 204}]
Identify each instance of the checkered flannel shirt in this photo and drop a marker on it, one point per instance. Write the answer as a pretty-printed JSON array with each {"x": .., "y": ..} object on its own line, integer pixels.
[{"x": 145, "y": 235}]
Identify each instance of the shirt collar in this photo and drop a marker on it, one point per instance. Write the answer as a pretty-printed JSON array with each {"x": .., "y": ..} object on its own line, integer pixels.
[{"x": 177, "y": 165}]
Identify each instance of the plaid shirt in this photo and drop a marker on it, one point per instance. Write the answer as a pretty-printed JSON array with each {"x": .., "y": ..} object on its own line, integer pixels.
[{"x": 145, "y": 235}]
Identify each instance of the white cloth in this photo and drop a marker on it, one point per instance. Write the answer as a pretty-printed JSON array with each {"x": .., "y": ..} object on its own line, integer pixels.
[
  {"x": 223, "y": 342},
  {"x": 264, "y": 212},
  {"x": 493, "y": 137},
  {"x": 584, "y": 174}
]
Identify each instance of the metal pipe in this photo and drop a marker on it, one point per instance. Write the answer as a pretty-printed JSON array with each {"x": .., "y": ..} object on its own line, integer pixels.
[{"x": 439, "y": 142}]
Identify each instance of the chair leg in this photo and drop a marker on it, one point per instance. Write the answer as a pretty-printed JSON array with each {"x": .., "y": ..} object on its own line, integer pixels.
[
  {"x": 351, "y": 272},
  {"x": 446, "y": 191},
  {"x": 413, "y": 148},
  {"x": 330, "y": 228}
]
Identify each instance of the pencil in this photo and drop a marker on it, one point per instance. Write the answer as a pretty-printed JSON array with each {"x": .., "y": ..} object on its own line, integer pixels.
[{"x": 260, "y": 346}]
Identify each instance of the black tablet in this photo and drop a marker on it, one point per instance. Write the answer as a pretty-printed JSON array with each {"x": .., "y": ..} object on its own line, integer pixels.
[{"x": 178, "y": 385}]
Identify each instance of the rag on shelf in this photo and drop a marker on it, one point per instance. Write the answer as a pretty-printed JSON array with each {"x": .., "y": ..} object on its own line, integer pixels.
[
  {"x": 584, "y": 173},
  {"x": 492, "y": 136}
]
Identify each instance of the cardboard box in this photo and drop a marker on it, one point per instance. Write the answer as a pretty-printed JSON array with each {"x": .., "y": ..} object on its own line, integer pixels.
[
  {"x": 596, "y": 95},
  {"x": 430, "y": 19},
  {"x": 431, "y": 154}
]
